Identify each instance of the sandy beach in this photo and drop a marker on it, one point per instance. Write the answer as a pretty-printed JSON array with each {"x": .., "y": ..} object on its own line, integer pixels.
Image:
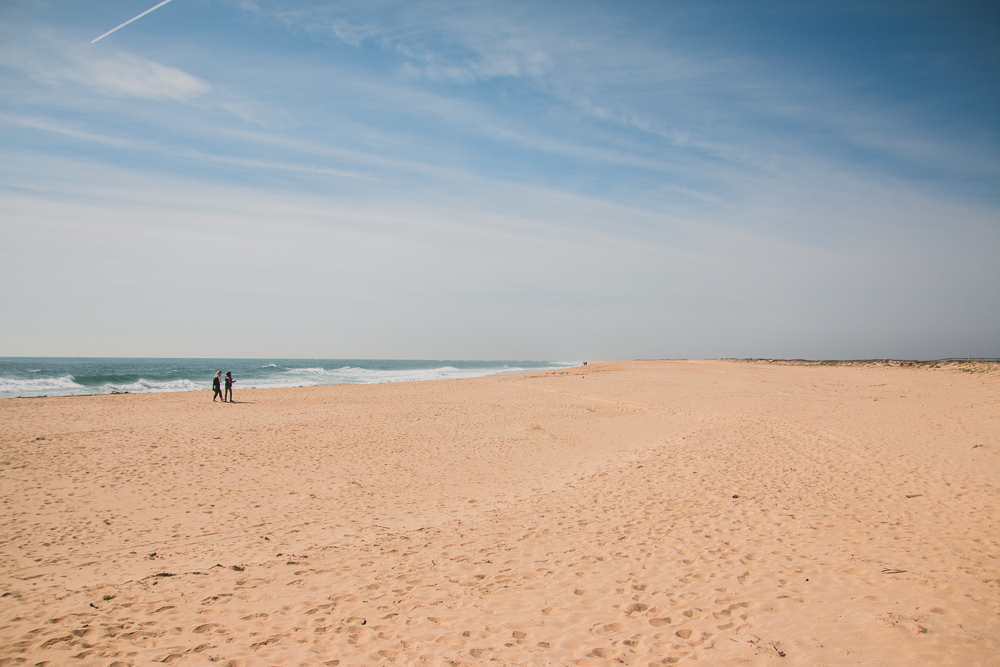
[{"x": 622, "y": 513}]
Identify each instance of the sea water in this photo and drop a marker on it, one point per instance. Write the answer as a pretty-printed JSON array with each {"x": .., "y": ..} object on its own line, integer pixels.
[{"x": 70, "y": 376}]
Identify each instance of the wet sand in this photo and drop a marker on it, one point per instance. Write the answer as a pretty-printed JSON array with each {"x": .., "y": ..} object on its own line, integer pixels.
[{"x": 637, "y": 513}]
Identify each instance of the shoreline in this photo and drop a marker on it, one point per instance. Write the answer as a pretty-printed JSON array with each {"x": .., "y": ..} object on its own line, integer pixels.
[
  {"x": 967, "y": 365},
  {"x": 79, "y": 376},
  {"x": 615, "y": 513},
  {"x": 305, "y": 386}
]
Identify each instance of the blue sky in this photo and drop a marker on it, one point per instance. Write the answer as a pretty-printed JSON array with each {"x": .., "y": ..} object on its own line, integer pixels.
[{"x": 544, "y": 180}]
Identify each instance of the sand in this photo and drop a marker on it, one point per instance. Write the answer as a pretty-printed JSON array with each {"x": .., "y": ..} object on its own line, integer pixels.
[{"x": 636, "y": 513}]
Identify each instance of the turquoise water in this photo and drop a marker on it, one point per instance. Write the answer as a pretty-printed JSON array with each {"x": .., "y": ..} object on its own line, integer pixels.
[{"x": 69, "y": 376}]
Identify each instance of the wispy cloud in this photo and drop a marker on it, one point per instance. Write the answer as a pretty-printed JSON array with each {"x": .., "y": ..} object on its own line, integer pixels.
[
  {"x": 125, "y": 75},
  {"x": 57, "y": 127},
  {"x": 461, "y": 261},
  {"x": 55, "y": 61},
  {"x": 712, "y": 98}
]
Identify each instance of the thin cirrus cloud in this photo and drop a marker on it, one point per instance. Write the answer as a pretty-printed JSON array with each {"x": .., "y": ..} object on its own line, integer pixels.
[
  {"x": 53, "y": 60},
  {"x": 126, "y": 75},
  {"x": 687, "y": 94}
]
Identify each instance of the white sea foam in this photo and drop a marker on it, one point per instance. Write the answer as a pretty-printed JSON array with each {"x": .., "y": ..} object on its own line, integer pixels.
[
  {"x": 307, "y": 371},
  {"x": 313, "y": 376},
  {"x": 59, "y": 386},
  {"x": 143, "y": 386}
]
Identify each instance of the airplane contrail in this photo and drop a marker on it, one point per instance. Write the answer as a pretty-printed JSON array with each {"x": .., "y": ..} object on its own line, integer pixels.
[{"x": 134, "y": 18}]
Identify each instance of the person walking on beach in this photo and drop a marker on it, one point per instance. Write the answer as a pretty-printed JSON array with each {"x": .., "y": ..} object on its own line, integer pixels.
[
  {"x": 216, "y": 388},
  {"x": 229, "y": 387}
]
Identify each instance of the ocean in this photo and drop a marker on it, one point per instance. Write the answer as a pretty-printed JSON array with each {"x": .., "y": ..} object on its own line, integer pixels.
[{"x": 74, "y": 376}]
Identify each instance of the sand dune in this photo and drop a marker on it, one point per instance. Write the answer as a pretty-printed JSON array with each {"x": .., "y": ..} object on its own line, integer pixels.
[{"x": 636, "y": 513}]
